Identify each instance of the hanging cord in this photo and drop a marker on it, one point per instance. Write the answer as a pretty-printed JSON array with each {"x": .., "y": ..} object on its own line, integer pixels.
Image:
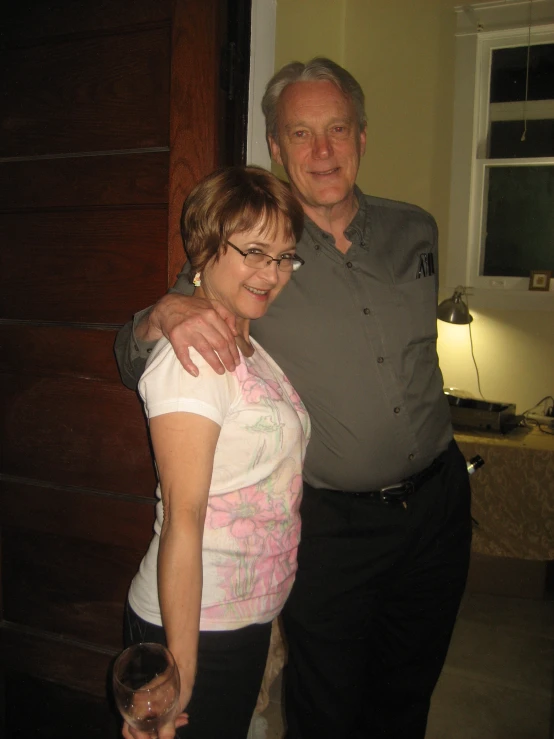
[
  {"x": 472, "y": 351},
  {"x": 524, "y": 134}
]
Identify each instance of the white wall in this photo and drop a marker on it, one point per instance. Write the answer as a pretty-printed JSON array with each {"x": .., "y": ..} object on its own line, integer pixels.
[{"x": 402, "y": 52}]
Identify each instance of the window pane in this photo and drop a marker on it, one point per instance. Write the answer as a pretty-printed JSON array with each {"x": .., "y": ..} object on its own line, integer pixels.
[
  {"x": 508, "y": 73},
  {"x": 520, "y": 220},
  {"x": 505, "y": 139}
]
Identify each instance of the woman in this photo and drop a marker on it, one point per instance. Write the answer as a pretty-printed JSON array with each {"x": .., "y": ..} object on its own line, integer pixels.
[{"x": 229, "y": 451}]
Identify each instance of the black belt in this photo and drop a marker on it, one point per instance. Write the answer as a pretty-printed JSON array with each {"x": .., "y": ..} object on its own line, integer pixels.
[{"x": 401, "y": 491}]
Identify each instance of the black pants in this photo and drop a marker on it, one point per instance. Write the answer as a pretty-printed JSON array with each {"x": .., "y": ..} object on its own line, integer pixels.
[
  {"x": 230, "y": 669},
  {"x": 371, "y": 613}
]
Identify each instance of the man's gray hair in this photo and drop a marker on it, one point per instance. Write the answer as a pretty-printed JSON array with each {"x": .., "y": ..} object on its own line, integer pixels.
[{"x": 316, "y": 69}]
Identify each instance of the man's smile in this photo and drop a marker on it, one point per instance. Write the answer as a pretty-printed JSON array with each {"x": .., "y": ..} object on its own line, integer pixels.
[{"x": 326, "y": 172}]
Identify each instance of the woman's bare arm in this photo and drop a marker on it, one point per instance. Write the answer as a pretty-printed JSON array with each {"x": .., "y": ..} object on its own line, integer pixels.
[{"x": 184, "y": 447}]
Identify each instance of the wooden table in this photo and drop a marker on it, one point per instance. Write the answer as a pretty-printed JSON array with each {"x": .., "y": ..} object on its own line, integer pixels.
[{"x": 513, "y": 494}]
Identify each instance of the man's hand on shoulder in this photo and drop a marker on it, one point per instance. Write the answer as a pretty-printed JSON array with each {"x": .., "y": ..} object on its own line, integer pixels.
[{"x": 188, "y": 321}]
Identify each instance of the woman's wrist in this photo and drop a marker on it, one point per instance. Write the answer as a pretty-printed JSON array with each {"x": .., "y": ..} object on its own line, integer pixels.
[
  {"x": 186, "y": 668},
  {"x": 186, "y": 677}
]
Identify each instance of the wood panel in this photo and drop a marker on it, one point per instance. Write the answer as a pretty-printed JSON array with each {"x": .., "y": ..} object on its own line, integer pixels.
[
  {"x": 75, "y": 432},
  {"x": 69, "y": 557},
  {"x": 195, "y": 151},
  {"x": 92, "y": 517},
  {"x": 92, "y": 266},
  {"x": 132, "y": 179},
  {"x": 57, "y": 712},
  {"x": 61, "y": 661},
  {"x": 117, "y": 97},
  {"x": 27, "y": 348},
  {"x": 65, "y": 585},
  {"x": 84, "y": 204},
  {"x": 26, "y": 20}
]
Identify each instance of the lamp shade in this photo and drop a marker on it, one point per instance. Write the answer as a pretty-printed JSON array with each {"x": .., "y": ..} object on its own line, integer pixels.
[{"x": 454, "y": 310}]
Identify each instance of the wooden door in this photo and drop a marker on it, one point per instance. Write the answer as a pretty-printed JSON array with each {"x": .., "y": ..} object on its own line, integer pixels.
[{"x": 110, "y": 111}]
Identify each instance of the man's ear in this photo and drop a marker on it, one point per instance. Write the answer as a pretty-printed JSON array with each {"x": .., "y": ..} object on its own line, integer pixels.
[
  {"x": 363, "y": 138},
  {"x": 275, "y": 150}
]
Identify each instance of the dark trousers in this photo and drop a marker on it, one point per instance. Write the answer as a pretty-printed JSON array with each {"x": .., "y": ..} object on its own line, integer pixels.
[
  {"x": 230, "y": 669},
  {"x": 370, "y": 616}
]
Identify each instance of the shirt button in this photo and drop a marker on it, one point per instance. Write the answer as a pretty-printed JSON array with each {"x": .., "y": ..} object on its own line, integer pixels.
[
  {"x": 317, "y": 247},
  {"x": 411, "y": 456},
  {"x": 397, "y": 410},
  {"x": 380, "y": 360},
  {"x": 349, "y": 265},
  {"x": 367, "y": 311},
  {"x": 148, "y": 351}
]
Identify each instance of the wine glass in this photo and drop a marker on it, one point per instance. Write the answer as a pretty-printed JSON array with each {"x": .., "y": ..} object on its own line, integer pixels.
[{"x": 146, "y": 686}]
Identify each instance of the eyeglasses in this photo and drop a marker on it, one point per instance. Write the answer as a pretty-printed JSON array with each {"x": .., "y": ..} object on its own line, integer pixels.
[{"x": 259, "y": 260}]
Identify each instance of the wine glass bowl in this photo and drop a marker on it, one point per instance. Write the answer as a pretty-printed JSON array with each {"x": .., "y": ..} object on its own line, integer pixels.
[{"x": 146, "y": 686}]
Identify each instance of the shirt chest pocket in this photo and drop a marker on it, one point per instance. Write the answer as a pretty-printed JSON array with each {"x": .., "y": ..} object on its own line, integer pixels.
[{"x": 416, "y": 303}]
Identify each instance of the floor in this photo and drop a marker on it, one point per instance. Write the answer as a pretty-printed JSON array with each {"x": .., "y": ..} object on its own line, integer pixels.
[{"x": 498, "y": 679}]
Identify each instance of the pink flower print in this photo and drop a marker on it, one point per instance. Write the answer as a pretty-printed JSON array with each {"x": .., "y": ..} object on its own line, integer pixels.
[
  {"x": 283, "y": 539},
  {"x": 283, "y": 535},
  {"x": 296, "y": 487},
  {"x": 265, "y": 527},
  {"x": 288, "y": 502},
  {"x": 254, "y": 388},
  {"x": 245, "y": 511},
  {"x": 276, "y": 566},
  {"x": 264, "y": 577},
  {"x": 294, "y": 397}
]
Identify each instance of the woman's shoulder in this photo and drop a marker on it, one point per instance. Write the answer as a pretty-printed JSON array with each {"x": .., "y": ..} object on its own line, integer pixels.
[
  {"x": 163, "y": 353},
  {"x": 166, "y": 387}
]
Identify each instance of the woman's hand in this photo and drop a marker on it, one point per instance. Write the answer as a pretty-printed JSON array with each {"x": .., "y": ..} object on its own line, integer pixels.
[
  {"x": 166, "y": 732},
  {"x": 188, "y": 321},
  {"x": 156, "y": 702}
]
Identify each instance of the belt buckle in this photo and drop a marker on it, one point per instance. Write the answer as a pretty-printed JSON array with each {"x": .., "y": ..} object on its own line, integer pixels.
[{"x": 396, "y": 493}]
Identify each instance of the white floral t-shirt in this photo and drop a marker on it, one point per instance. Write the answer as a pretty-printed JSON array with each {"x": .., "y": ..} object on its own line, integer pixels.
[{"x": 252, "y": 526}]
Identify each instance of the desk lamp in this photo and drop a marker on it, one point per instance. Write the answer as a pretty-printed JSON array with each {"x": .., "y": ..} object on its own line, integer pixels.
[{"x": 454, "y": 310}]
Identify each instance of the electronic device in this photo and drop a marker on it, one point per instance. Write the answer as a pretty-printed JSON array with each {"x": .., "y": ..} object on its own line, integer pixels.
[{"x": 487, "y": 415}]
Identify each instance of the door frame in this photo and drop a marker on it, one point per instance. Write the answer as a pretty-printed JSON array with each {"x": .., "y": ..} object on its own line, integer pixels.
[{"x": 262, "y": 65}]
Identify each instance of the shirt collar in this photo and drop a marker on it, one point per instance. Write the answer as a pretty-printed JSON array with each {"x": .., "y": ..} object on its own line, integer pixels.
[{"x": 355, "y": 231}]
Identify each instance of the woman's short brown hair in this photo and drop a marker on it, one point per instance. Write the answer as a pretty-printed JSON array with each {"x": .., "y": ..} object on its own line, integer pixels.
[{"x": 231, "y": 200}]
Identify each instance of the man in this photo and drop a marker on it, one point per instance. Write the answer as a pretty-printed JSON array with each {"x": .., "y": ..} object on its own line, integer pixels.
[{"x": 386, "y": 525}]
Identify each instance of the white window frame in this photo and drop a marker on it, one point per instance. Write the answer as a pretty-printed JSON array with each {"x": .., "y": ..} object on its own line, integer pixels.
[
  {"x": 481, "y": 28},
  {"x": 262, "y": 64}
]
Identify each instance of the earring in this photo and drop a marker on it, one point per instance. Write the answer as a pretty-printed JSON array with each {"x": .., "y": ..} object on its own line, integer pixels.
[{"x": 197, "y": 281}]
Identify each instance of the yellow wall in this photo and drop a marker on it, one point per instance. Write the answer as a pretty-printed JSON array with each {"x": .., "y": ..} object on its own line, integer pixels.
[
  {"x": 308, "y": 28},
  {"x": 402, "y": 53},
  {"x": 396, "y": 49}
]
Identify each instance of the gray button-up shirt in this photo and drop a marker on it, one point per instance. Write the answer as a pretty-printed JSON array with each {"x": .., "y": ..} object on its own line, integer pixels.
[{"x": 356, "y": 335}]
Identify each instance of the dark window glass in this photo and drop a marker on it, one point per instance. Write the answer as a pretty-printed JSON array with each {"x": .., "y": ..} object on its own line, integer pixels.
[
  {"x": 520, "y": 220},
  {"x": 508, "y": 73},
  {"x": 505, "y": 139}
]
